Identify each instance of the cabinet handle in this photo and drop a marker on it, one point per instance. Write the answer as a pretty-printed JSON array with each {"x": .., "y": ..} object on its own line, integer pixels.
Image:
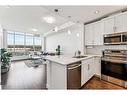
[
  {"x": 74, "y": 67},
  {"x": 105, "y": 63},
  {"x": 88, "y": 67},
  {"x": 99, "y": 60},
  {"x": 114, "y": 28}
]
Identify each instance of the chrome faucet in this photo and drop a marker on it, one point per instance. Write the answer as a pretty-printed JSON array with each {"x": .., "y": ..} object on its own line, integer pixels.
[
  {"x": 75, "y": 53},
  {"x": 78, "y": 53}
]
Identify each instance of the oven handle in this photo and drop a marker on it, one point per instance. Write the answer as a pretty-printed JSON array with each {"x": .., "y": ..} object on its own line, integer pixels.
[
  {"x": 114, "y": 61},
  {"x": 74, "y": 67}
]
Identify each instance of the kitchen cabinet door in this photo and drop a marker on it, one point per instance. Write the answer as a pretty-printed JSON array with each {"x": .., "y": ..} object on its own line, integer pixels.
[
  {"x": 121, "y": 22},
  {"x": 84, "y": 72},
  {"x": 87, "y": 70},
  {"x": 48, "y": 65},
  {"x": 98, "y": 33},
  {"x": 89, "y": 34},
  {"x": 97, "y": 66},
  {"x": 108, "y": 25},
  {"x": 58, "y": 76},
  {"x": 91, "y": 68}
]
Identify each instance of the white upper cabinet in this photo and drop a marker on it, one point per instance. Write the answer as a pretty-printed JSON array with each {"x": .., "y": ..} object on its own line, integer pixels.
[
  {"x": 121, "y": 22},
  {"x": 108, "y": 25},
  {"x": 98, "y": 33},
  {"x": 115, "y": 24},
  {"x": 89, "y": 34},
  {"x": 94, "y": 33}
]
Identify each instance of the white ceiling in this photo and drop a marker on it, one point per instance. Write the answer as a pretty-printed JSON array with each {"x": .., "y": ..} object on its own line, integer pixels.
[
  {"x": 24, "y": 18},
  {"x": 84, "y": 13}
]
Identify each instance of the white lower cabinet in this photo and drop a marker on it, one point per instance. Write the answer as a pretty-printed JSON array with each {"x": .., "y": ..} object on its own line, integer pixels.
[
  {"x": 84, "y": 72},
  {"x": 97, "y": 66},
  {"x": 87, "y": 70},
  {"x": 56, "y": 75}
]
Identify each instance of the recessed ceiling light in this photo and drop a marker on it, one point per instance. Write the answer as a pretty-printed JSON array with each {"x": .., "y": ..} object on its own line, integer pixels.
[
  {"x": 96, "y": 12},
  {"x": 49, "y": 19},
  {"x": 34, "y": 29},
  {"x": 69, "y": 32}
]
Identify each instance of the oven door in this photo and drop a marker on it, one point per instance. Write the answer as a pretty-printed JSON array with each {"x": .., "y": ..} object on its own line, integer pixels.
[{"x": 117, "y": 70}]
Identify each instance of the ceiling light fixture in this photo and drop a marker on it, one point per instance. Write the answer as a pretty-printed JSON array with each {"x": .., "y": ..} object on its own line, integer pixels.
[
  {"x": 96, "y": 12},
  {"x": 77, "y": 34},
  {"x": 69, "y": 32},
  {"x": 34, "y": 29},
  {"x": 49, "y": 19}
]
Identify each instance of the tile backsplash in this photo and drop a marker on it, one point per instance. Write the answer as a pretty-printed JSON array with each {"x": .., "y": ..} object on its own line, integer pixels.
[{"x": 98, "y": 49}]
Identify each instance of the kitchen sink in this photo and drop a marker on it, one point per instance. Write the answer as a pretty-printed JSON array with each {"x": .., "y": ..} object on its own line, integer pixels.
[{"x": 79, "y": 56}]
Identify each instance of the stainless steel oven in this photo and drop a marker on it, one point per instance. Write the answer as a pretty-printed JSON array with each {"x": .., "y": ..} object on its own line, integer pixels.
[
  {"x": 114, "y": 69},
  {"x": 114, "y": 66}
]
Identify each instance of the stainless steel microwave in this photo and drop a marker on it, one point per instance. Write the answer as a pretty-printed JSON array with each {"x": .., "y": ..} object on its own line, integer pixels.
[{"x": 115, "y": 39}]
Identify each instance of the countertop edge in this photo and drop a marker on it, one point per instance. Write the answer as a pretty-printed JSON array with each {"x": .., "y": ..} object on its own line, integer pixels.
[{"x": 70, "y": 62}]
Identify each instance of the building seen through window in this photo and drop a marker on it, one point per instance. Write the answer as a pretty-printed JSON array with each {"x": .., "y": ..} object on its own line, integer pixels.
[{"x": 23, "y": 43}]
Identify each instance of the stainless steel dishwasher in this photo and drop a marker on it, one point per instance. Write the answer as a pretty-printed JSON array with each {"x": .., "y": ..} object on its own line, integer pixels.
[{"x": 74, "y": 76}]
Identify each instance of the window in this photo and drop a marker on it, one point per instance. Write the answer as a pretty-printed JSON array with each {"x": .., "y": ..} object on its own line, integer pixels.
[
  {"x": 37, "y": 43},
  {"x": 19, "y": 39},
  {"x": 21, "y": 43},
  {"x": 29, "y": 43},
  {"x": 37, "y": 40},
  {"x": 10, "y": 40},
  {"x": 29, "y": 40}
]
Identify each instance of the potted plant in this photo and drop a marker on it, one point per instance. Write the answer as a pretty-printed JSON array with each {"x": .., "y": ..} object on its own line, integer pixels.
[{"x": 5, "y": 60}]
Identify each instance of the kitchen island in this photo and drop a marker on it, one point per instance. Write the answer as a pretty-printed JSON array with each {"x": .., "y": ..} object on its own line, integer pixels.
[{"x": 57, "y": 72}]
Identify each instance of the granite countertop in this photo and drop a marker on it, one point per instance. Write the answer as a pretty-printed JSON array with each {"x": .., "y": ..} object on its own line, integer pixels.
[{"x": 66, "y": 59}]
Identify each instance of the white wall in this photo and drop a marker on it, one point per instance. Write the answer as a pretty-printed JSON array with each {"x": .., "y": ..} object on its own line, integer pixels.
[
  {"x": 1, "y": 45},
  {"x": 1, "y": 37},
  {"x": 69, "y": 43}
]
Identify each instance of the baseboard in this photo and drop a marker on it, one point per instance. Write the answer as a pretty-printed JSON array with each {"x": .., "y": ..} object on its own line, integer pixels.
[
  {"x": 98, "y": 76},
  {"x": 88, "y": 81}
]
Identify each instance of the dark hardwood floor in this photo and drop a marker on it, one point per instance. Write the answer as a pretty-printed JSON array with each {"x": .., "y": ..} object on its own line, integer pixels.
[
  {"x": 97, "y": 84},
  {"x": 22, "y": 77}
]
